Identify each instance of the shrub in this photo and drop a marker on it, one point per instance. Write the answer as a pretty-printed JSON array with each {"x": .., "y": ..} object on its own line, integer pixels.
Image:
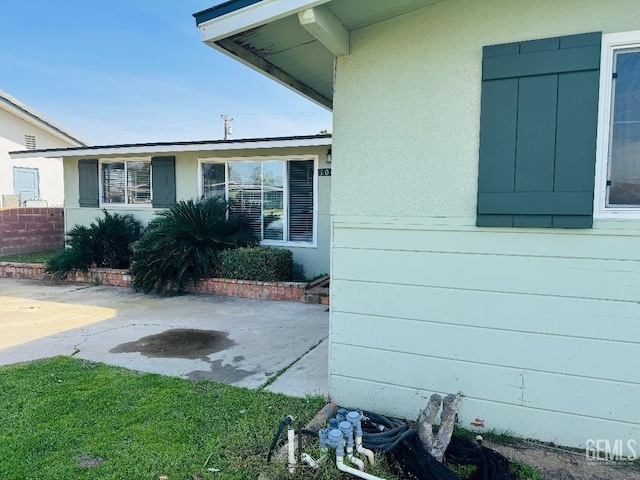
[
  {"x": 265, "y": 264},
  {"x": 182, "y": 245},
  {"x": 104, "y": 243}
]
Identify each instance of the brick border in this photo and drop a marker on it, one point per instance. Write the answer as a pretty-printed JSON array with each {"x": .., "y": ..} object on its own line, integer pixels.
[{"x": 280, "y": 291}]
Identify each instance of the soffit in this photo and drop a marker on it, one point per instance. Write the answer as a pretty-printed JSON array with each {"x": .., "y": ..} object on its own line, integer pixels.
[{"x": 286, "y": 52}]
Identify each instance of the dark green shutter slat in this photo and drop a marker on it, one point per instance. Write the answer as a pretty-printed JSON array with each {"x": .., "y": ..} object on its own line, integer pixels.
[
  {"x": 581, "y": 40},
  {"x": 484, "y": 220},
  {"x": 89, "y": 195},
  {"x": 163, "y": 175},
  {"x": 501, "y": 50},
  {"x": 542, "y": 63},
  {"x": 498, "y": 136},
  {"x": 535, "y": 152},
  {"x": 536, "y": 203},
  {"x": 537, "y": 134},
  {"x": 540, "y": 45},
  {"x": 577, "y": 102},
  {"x": 528, "y": 221}
]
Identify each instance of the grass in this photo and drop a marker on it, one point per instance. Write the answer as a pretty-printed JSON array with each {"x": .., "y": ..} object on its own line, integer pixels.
[
  {"x": 68, "y": 418},
  {"x": 71, "y": 418},
  {"x": 36, "y": 257}
]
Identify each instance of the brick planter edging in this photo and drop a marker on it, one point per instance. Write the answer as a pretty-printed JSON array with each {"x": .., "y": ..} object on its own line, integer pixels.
[{"x": 282, "y": 291}]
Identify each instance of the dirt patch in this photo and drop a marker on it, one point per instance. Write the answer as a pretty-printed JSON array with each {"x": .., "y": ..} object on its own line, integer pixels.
[
  {"x": 179, "y": 343},
  {"x": 557, "y": 464},
  {"x": 88, "y": 461}
]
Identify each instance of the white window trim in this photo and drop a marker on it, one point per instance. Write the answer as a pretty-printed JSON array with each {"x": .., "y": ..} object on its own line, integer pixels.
[
  {"x": 284, "y": 158},
  {"x": 610, "y": 43},
  {"x": 124, "y": 205}
]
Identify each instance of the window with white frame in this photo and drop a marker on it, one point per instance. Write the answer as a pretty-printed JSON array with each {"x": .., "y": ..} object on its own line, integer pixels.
[
  {"x": 125, "y": 182},
  {"x": 618, "y": 163},
  {"x": 275, "y": 196}
]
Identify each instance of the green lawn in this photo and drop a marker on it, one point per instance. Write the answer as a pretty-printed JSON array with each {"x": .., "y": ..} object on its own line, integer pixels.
[
  {"x": 61, "y": 416},
  {"x": 66, "y": 418},
  {"x": 36, "y": 257}
]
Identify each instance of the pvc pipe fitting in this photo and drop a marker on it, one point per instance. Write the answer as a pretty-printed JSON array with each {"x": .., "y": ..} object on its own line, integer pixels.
[
  {"x": 347, "y": 431},
  {"x": 336, "y": 440},
  {"x": 354, "y": 471},
  {"x": 341, "y": 416},
  {"x": 291, "y": 449},
  {"x": 323, "y": 436},
  {"x": 355, "y": 419},
  {"x": 333, "y": 423}
]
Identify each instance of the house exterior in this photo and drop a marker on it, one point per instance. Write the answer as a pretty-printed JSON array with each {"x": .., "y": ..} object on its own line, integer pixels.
[
  {"x": 34, "y": 178},
  {"x": 281, "y": 185},
  {"x": 485, "y": 209}
]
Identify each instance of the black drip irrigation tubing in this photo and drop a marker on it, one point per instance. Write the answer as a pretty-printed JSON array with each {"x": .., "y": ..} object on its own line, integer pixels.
[{"x": 393, "y": 436}]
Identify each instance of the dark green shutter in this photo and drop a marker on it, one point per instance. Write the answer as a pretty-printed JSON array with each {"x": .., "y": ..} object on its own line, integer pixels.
[
  {"x": 88, "y": 183},
  {"x": 163, "y": 174},
  {"x": 538, "y": 133}
]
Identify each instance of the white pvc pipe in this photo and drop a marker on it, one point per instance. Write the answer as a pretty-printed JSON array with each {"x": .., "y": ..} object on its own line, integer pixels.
[
  {"x": 364, "y": 451},
  {"x": 357, "y": 462},
  {"x": 308, "y": 459},
  {"x": 354, "y": 471},
  {"x": 291, "y": 445}
]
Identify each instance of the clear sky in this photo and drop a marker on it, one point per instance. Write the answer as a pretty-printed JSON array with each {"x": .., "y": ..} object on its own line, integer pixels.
[{"x": 123, "y": 71}]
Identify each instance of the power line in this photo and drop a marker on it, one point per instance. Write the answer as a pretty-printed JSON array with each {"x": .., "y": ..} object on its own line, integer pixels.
[{"x": 198, "y": 121}]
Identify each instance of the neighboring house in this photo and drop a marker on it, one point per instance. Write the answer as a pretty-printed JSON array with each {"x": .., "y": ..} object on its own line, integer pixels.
[
  {"x": 485, "y": 200},
  {"x": 34, "y": 178},
  {"x": 274, "y": 182}
]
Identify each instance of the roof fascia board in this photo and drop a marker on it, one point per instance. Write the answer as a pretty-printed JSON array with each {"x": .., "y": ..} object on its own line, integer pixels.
[
  {"x": 268, "y": 69},
  {"x": 324, "y": 26},
  {"x": 252, "y": 16},
  {"x": 21, "y": 111},
  {"x": 169, "y": 148}
]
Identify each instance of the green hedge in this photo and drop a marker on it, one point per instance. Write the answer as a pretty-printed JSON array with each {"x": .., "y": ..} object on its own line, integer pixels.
[{"x": 265, "y": 264}]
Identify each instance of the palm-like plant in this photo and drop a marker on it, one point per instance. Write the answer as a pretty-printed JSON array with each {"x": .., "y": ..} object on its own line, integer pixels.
[
  {"x": 104, "y": 243},
  {"x": 181, "y": 245}
]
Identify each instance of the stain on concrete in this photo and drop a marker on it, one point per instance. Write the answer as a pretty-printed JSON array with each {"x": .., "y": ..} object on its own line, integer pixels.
[
  {"x": 179, "y": 343},
  {"x": 221, "y": 373},
  {"x": 238, "y": 358}
]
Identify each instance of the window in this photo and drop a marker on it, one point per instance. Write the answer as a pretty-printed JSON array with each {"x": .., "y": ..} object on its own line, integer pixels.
[
  {"x": 125, "y": 182},
  {"x": 618, "y": 169},
  {"x": 277, "y": 197}
]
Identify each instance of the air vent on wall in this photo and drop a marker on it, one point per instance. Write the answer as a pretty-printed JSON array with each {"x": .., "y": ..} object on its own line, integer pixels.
[{"x": 30, "y": 142}]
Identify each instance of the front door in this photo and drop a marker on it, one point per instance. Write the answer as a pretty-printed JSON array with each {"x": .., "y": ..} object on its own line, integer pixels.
[{"x": 26, "y": 182}]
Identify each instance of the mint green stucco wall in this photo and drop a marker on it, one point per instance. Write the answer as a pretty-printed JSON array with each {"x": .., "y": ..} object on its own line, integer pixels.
[
  {"x": 539, "y": 328},
  {"x": 309, "y": 261}
]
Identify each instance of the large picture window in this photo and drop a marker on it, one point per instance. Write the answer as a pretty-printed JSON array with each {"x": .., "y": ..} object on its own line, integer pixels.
[
  {"x": 126, "y": 182},
  {"x": 275, "y": 196},
  {"x": 619, "y": 127}
]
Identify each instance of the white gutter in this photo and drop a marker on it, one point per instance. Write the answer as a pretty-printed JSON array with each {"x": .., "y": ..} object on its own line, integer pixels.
[
  {"x": 252, "y": 16},
  {"x": 169, "y": 148}
]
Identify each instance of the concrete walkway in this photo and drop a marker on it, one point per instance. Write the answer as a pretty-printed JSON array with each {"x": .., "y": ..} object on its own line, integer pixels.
[{"x": 232, "y": 340}]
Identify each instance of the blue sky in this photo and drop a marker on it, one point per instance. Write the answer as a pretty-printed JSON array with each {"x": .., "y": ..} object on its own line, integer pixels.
[{"x": 123, "y": 71}]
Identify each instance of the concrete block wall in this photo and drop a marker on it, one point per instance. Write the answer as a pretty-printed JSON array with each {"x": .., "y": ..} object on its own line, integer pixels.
[{"x": 26, "y": 230}]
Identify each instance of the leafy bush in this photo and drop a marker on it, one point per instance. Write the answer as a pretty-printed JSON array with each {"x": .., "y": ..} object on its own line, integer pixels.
[
  {"x": 265, "y": 264},
  {"x": 104, "y": 243},
  {"x": 182, "y": 245}
]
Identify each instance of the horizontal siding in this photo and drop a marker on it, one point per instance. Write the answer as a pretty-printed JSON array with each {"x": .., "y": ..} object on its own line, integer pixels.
[
  {"x": 564, "y": 277},
  {"x": 517, "y": 350},
  {"x": 568, "y": 317},
  {"x": 551, "y": 426},
  {"x": 492, "y": 383},
  {"x": 539, "y": 243},
  {"x": 533, "y": 323}
]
